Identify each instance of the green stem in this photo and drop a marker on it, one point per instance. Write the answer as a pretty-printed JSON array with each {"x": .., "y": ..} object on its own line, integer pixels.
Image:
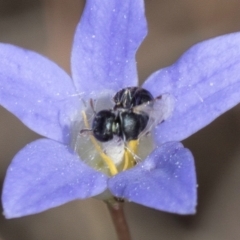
[{"x": 119, "y": 221}]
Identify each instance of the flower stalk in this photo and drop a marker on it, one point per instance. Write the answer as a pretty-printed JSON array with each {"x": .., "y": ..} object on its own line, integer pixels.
[{"x": 118, "y": 217}]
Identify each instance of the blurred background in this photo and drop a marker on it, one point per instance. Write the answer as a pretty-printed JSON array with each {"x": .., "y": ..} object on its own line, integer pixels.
[{"x": 47, "y": 27}]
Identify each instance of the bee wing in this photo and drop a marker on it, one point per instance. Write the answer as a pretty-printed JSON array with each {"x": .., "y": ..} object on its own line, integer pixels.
[{"x": 158, "y": 110}]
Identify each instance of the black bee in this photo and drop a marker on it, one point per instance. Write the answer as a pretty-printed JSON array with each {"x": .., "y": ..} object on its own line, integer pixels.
[
  {"x": 135, "y": 113},
  {"x": 127, "y": 125}
]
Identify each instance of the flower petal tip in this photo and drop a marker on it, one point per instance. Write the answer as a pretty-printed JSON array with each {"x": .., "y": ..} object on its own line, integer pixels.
[
  {"x": 45, "y": 174},
  {"x": 166, "y": 181}
]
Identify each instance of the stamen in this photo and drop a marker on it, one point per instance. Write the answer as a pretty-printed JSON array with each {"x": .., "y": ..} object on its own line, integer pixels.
[
  {"x": 133, "y": 145},
  {"x": 112, "y": 168},
  {"x": 130, "y": 152},
  {"x": 126, "y": 160}
]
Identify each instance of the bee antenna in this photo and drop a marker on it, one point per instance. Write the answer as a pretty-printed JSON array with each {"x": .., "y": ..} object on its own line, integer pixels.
[
  {"x": 92, "y": 106},
  {"x": 84, "y": 130}
]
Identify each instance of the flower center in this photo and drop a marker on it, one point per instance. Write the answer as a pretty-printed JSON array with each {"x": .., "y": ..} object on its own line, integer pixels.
[
  {"x": 107, "y": 138},
  {"x": 129, "y": 152}
]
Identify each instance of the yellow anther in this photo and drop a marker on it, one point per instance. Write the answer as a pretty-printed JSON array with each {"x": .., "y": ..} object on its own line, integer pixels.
[
  {"x": 133, "y": 145},
  {"x": 112, "y": 168},
  {"x": 126, "y": 160},
  {"x": 129, "y": 153}
]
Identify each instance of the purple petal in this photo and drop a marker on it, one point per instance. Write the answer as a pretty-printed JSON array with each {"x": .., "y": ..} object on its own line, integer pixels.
[
  {"x": 37, "y": 91},
  {"x": 105, "y": 44},
  {"x": 45, "y": 174},
  {"x": 205, "y": 82},
  {"x": 165, "y": 181}
]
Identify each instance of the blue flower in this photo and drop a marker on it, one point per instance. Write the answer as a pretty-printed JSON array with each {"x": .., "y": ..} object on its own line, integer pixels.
[{"x": 51, "y": 171}]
